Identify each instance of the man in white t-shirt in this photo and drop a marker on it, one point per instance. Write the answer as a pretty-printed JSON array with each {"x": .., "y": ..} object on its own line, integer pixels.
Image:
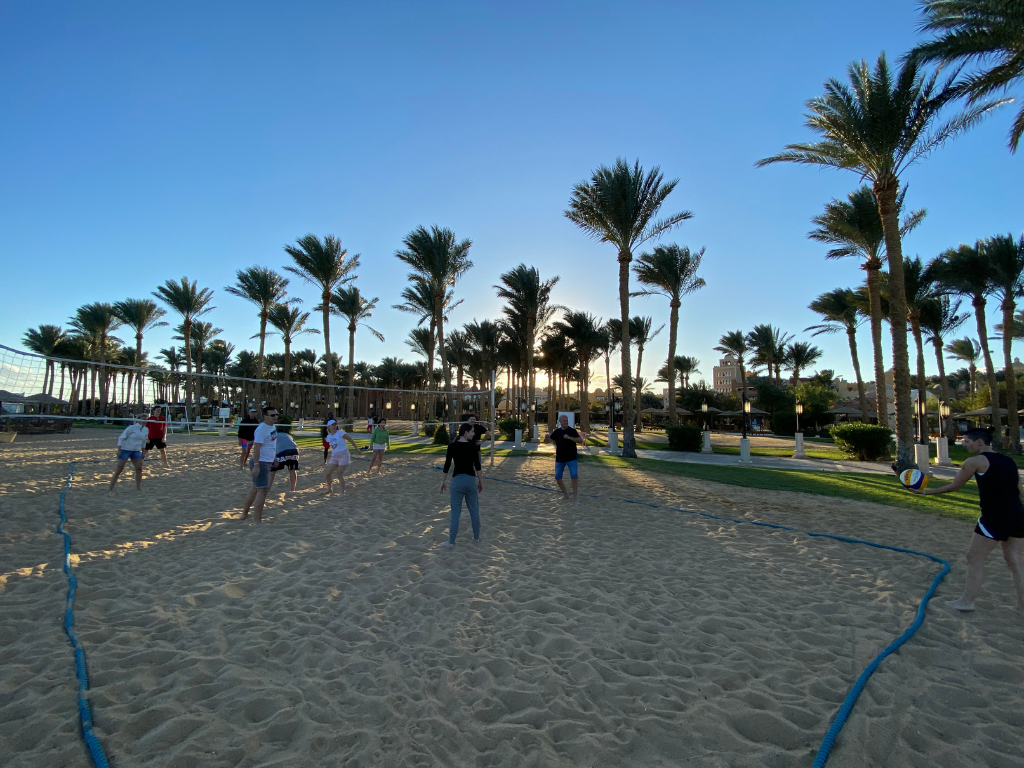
[{"x": 264, "y": 451}]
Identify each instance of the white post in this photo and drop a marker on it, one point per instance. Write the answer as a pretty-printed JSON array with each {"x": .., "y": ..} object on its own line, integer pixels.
[
  {"x": 921, "y": 457},
  {"x": 494, "y": 419},
  {"x": 519, "y": 439},
  {"x": 706, "y": 447},
  {"x": 798, "y": 450},
  {"x": 942, "y": 460},
  {"x": 535, "y": 434},
  {"x": 745, "y": 450},
  {"x": 415, "y": 429},
  {"x": 613, "y": 442}
]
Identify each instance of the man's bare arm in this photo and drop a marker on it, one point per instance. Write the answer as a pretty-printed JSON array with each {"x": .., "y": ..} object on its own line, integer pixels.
[{"x": 967, "y": 470}]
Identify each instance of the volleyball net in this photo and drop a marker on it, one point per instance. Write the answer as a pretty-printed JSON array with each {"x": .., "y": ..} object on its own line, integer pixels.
[{"x": 49, "y": 394}]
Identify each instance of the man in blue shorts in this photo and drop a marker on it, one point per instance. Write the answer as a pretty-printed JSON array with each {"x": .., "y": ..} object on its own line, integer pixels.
[
  {"x": 264, "y": 449},
  {"x": 566, "y": 439},
  {"x": 1000, "y": 496}
]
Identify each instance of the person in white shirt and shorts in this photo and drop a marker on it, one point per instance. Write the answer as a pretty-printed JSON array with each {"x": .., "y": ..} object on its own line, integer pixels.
[
  {"x": 264, "y": 452},
  {"x": 340, "y": 456},
  {"x": 130, "y": 445}
]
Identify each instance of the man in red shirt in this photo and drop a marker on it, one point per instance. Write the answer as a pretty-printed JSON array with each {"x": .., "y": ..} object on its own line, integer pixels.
[{"x": 157, "y": 427}]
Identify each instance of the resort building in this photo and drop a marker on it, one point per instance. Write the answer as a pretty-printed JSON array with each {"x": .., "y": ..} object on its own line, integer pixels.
[{"x": 726, "y": 377}]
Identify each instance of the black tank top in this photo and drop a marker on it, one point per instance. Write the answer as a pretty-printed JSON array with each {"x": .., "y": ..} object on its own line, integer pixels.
[{"x": 997, "y": 488}]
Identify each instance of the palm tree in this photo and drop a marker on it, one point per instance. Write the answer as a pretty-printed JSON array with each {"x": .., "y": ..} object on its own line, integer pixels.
[
  {"x": 325, "y": 264},
  {"x": 640, "y": 332},
  {"x": 968, "y": 350},
  {"x": 142, "y": 316},
  {"x": 265, "y": 288},
  {"x": 968, "y": 271},
  {"x": 460, "y": 345},
  {"x": 97, "y": 321},
  {"x": 877, "y": 126},
  {"x": 529, "y": 300},
  {"x": 984, "y": 32},
  {"x": 735, "y": 343},
  {"x": 437, "y": 261},
  {"x": 190, "y": 302},
  {"x": 769, "y": 346},
  {"x": 349, "y": 303},
  {"x": 854, "y": 226},
  {"x": 940, "y": 317},
  {"x": 290, "y": 322},
  {"x": 800, "y": 355},
  {"x": 838, "y": 309},
  {"x": 1007, "y": 259},
  {"x": 46, "y": 340},
  {"x": 618, "y": 205},
  {"x": 670, "y": 271},
  {"x": 586, "y": 334},
  {"x": 608, "y": 346},
  {"x": 486, "y": 336},
  {"x": 419, "y": 301}
]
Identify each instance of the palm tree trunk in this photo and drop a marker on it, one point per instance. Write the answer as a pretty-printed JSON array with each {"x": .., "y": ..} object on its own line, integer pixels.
[
  {"x": 287, "y": 374},
  {"x": 325, "y": 299},
  {"x": 351, "y": 370},
  {"x": 62, "y": 371},
  {"x": 886, "y": 193},
  {"x": 922, "y": 393},
  {"x": 585, "y": 395},
  {"x": 138, "y": 359},
  {"x": 851, "y": 335},
  {"x": 441, "y": 350},
  {"x": 639, "y": 360},
  {"x": 628, "y": 438},
  {"x": 673, "y": 417},
  {"x": 875, "y": 309},
  {"x": 188, "y": 362},
  {"x": 531, "y": 391},
  {"x": 1012, "y": 418},
  {"x": 990, "y": 371},
  {"x": 944, "y": 383}
]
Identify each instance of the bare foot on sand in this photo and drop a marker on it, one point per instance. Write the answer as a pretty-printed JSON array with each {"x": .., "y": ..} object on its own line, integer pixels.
[{"x": 960, "y": 605}]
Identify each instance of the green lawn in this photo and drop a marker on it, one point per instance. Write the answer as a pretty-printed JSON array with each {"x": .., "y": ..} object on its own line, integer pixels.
[
  {"x": 957, "y": 454},
  {"x": 813, "y": 453}
]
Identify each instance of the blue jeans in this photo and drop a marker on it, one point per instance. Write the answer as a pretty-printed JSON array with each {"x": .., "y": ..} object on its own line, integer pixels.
[{"x": 464, "y": 487}]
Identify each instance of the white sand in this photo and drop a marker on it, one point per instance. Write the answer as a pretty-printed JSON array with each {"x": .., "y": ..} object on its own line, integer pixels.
[{"x": 337, "y": 634}]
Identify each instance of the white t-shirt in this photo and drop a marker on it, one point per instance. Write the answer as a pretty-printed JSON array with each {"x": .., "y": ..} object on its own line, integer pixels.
[
  {"x": 134, "y": 438},
  {"x": 337, "y": 442},
  {"x": 266, "y": 436}
]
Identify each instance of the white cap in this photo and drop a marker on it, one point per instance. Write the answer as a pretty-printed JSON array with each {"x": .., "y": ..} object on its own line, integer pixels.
[{"x": 332, "y": 421}]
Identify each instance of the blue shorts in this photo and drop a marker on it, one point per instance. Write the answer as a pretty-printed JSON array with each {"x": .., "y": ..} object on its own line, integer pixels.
[
  {"x": 123, "y": 455},
  {"x": 262, "y": 480},
  {"x": 560, "y": 468}
]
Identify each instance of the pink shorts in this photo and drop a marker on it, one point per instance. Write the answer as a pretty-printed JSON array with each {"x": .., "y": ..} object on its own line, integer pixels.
[{"x": 340, "y": 459}]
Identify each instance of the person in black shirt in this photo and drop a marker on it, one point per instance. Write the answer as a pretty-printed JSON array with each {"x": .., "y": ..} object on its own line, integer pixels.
[
  {"x": 566, "y": 439},
  {"x": 246, "y": 434},
  {"x": 464, "y": 456},
  {"x": 1000, "y": 496},
  {"x": 479, "y": 430}
]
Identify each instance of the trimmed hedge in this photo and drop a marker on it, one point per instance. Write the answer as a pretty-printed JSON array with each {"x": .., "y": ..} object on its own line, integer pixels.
[
  {"x": 784, "y": 423},
  {"x": 429, "y": 427},
  {"x": 441, "y": 435},
  {"x": 867, "y": 442},
  {"x": 685, "y": 437},
  {"x": 509, "y": 426}
]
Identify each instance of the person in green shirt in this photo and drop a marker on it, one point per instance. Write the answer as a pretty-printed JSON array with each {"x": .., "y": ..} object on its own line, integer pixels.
[{"x": 380, "y": 441}]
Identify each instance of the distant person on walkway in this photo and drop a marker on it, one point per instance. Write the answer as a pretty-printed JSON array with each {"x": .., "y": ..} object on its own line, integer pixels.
[
  {"x": 129, "y": 448},
  {"x": 264, "y": 447},
  {"x": 464, "y": 456},
  {"x": 566, "y": 439},
  {"x": 156, "y": 429},
  {"x": 246, "y": 432},
  {"x": 287, "y": 458},
  {"x": 340, "y": 456},
  {"x": 1001, "y": 524},
  {"x": 380, "y": 441}
]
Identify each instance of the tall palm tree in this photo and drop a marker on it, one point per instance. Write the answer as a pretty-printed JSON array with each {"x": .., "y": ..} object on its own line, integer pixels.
[
  {"x": 735, "y": 343},
  {"x": 1006, "y": 256},
  {"x": 968, "y": 350},
  {"x": 325, "y": 264},
  {"x": 265, "y": 288},
  {"x": 608, "y": 346},
  {"x": 618, "y": 205},
  {"x": 46, "y": 340},
  {"x": 142, "y": 316},
  {"x": 799, "y": 356},
  {"x": 683, "y": 367},
  {"x": 641, "y": 334},
  {"x": 290, "y": 322},
  {"x": 939, "y": 318},
  {"x": 769, "y": 347},
  {"x": 419, "y": 301},
  {"x": 968, "y": 271},
  {"x": 437, "y": 261},
  {"x": 854, "y": 227},
  {"x": 838, "y": 310},
  {"x": 528, "y": 298},
  {"x": 191, "y": 303},
  {"x": 460, "y": 346},
  {"x": 98, "y": 321},
  {"x": 671, "y": 271},
  {"x": 586, "y": 334},
  {"x": 486, "y": 336},
  {"x": 202, "y": 335},
  {"x": 877, "y": 126},
  {"x": 982, "y": 32},
  {"x": 349, "y": 303}
]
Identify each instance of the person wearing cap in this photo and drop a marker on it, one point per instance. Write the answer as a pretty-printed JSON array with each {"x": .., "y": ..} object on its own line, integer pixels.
[
  {"x": 340, "y": 456},
  {"x": 129, "y": 448},
  {"x": 265, "y": 444},
  {"x": 246, "y": 434}
]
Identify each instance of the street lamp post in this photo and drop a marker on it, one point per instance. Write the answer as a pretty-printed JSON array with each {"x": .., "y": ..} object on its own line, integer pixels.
[
  {"x": 942, "y": 444},
  {"x": 745, "y": 441},
  {"x": 798, "y": 446},
  {"x": 706, "y": 442}
]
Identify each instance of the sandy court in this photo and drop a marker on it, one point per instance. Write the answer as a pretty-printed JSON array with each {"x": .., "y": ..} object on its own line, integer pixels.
[{"x": 607, "y": 635}]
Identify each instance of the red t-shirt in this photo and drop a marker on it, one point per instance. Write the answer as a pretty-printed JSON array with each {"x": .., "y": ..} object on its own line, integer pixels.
[{"x": 157, "y": 428}]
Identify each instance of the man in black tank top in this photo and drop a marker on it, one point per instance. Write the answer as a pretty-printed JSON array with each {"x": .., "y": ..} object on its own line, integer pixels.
[{"x": 1000, "y": 496}]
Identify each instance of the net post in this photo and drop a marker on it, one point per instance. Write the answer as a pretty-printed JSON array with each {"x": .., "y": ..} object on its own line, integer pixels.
[{"x": 494, "y": 421}]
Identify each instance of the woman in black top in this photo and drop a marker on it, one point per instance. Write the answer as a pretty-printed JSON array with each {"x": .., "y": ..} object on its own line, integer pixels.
[{"x": 464, "y": 457}]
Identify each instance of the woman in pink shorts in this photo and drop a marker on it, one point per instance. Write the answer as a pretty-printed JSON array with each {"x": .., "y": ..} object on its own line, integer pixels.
[{"x": 340, "y": 457}]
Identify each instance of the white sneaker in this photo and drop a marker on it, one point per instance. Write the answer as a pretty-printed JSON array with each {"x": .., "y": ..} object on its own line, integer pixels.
[{"x": 446, "y": 544}]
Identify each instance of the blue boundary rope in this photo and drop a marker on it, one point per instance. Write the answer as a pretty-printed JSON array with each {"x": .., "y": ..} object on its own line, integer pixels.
[
  {"x": 858, "y": 686},
  {"x": 84, "y": 712}
]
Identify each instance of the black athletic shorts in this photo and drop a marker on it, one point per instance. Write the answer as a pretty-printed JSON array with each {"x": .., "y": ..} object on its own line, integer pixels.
[
  {"x": 285, "y": 464},
  {"x": 155, "y": 443},
  {"x": 1000, "y": 529}
]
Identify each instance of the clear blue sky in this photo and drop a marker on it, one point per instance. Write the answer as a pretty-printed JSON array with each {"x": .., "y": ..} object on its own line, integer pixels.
[{"x": 141, "y": 142}]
